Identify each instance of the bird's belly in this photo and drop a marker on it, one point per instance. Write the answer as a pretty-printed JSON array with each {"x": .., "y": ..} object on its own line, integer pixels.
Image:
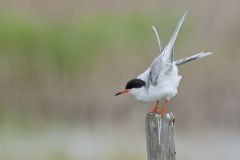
[{"x": 167, "y": 87}]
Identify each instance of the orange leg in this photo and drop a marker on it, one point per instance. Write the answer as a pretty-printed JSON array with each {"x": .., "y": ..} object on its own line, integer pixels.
[
  {"x": 154, "y": 108},
  {"x": 164, "y": 107}
]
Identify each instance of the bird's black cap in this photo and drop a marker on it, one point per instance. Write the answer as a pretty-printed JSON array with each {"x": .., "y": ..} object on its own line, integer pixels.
[{"x": 135, "y": 83}]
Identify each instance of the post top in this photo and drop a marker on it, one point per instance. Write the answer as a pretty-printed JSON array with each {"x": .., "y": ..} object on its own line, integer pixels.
[{"x": 169, "y": 116}]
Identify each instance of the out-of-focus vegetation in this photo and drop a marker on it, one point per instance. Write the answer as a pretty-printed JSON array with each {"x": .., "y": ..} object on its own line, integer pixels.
[
  {"x": 62, "y": 61},
  {"x": 76, "y": 44},
  {"x": 42, "y": 64},
  {"x": 33, "y": 50}
]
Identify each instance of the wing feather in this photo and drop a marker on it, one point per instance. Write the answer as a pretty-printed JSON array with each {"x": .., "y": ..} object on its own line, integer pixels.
[
  {"x": 168, "y": 51},
  {"x": 192, "y": 58},
  {"x": 160, "y": 64}
]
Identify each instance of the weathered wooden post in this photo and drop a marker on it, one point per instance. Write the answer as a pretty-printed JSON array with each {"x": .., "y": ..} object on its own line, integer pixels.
[{"x": 160, "y": 136}]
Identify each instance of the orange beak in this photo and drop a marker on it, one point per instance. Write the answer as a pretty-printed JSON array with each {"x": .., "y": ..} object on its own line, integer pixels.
[{"x": 122, "y": 92}]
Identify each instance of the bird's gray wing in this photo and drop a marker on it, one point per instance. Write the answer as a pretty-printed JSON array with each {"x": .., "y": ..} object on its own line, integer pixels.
[
  {"x": 168, "y": 51},
  {"x": 171, "y": 58},
  {"x": 157, "y": 68},
  {"x": 191, "y": 58},
  {"x": 160, "y": 64}
]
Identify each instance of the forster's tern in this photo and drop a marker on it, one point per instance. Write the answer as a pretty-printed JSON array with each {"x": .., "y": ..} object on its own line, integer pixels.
[{"x": 160, "y": 81}]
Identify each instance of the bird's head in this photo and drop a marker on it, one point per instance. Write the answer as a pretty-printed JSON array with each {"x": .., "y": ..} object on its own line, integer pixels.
[{"x": 132, "y": 86}]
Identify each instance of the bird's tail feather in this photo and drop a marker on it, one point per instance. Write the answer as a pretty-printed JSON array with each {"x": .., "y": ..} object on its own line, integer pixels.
[
  {"x": 191, "y": 58},
  {"x": 158, "y": 39},
  {"x": 168, "y": 52}
]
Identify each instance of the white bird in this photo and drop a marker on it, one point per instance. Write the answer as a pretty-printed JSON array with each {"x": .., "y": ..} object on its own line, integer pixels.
[{"x": 161, "y": 80}]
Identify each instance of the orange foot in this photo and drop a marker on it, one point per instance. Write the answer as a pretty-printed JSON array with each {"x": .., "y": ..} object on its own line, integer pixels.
[
  {"x": 164, "y": 107},
  {"x": 154, "y": 108}
]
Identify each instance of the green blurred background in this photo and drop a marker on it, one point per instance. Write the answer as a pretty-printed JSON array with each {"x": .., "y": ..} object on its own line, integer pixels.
[{"x": 62, "y": 61}]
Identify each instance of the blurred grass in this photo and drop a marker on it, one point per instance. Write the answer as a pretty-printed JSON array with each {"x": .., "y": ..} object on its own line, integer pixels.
[
  {"x": 39, "y": 58},
  {"x": 77, "y": 44},
  {"x": 48, "y": 112}
]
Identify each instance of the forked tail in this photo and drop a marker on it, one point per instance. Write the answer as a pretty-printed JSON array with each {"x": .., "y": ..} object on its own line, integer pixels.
[{"x": 191, "y": 58}]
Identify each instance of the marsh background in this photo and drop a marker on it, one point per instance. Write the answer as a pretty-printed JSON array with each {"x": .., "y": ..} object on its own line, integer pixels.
[{"x": 62, "y": 61}]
